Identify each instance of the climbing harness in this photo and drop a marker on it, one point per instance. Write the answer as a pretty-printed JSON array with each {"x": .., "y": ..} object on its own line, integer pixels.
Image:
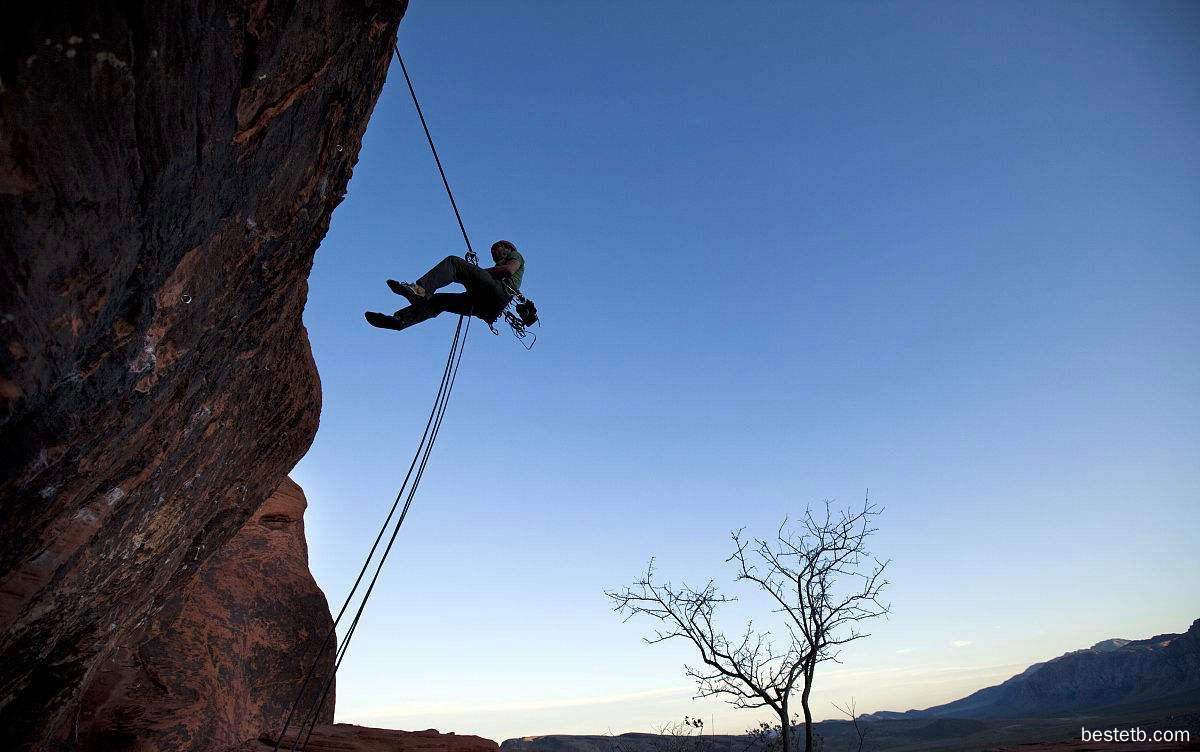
[{"x": 408, "y": 490}]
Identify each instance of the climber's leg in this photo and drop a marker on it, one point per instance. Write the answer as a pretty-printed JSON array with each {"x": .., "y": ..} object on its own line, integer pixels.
[
  {"x": 463, "y": 303},
  {"x": 384, "y": 321},
  {"x": 450, "y": 302},
  {"x": 404, "y": 318},
  {"x": 455, "y": 269}
]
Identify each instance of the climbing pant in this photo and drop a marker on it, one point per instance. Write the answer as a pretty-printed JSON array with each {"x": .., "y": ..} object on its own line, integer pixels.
[{"x": 485, "y": 296}]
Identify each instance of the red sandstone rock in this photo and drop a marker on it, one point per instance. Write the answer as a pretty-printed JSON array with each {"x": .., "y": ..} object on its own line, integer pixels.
[
  {"x": 223, "y": 658},
  {"x": 167, "y": 171},
  {"x": 343, "y": 737}
]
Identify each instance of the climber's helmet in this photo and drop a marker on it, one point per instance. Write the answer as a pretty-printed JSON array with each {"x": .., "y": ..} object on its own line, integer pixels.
[{"x": 501, "y": 250}]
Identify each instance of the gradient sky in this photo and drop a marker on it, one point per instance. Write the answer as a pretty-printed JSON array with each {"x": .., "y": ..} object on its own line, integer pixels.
[{"x": 783, "y": 252}]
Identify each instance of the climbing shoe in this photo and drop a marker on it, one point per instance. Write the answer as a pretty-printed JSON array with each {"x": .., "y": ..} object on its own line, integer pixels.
[
  {"x": 384, "y": 321},
  {"x": 412, "y": 292}
]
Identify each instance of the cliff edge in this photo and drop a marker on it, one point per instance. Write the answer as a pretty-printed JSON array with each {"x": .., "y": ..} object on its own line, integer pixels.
[
  {"x": 221, "y": 661},
  {"x": 167, "y": 172}
]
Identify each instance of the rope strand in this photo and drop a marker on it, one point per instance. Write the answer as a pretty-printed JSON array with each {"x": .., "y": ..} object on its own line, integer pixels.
[
  {"x": 448, "y": 378},
  {"x": 428, "y": 137},
  {"x": 424, "y": 450}
]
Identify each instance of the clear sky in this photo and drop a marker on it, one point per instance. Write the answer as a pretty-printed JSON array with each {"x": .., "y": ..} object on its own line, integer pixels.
[{"x": 783, "y": 252}]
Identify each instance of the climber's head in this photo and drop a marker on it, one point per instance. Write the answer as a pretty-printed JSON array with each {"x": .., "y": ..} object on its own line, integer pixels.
[{"x": 501, "y": 250}]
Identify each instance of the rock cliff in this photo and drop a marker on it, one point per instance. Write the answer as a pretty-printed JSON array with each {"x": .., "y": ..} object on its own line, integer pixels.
[
  {"x": 220, "y": 662},
  {"x": 343, "y": 737},
  {"x": 633, "y": 742},
  {"x": 167, "y": 171}
]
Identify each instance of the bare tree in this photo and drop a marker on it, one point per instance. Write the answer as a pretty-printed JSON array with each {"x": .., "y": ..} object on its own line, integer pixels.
[
  {"x": 823, "y": 577},
  {"x": 860, "y": 729},
  {"x": 681, "y": 736},
  {"x": 677, "y": 736},
  {"x": 824, "y": 582}
]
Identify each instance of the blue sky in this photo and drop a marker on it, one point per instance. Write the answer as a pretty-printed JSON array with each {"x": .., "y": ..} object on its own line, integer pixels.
[{"x": 783, "y": 252}]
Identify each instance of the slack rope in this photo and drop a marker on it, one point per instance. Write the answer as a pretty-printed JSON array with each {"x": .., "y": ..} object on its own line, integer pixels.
[
  {"x": 424, "y": 450},
  {"x": 448, "y": 378}
]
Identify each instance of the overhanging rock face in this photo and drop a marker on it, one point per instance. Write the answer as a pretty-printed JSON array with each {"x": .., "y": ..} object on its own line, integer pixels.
[
  {"x": 167, "y": 171},
  {"x": 224, "y": 659}
]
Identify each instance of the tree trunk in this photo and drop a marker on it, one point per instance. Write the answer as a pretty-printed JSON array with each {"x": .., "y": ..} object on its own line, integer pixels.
[
  {"x": 785, "y": 729},
  {"x": 808, "y": 735}
]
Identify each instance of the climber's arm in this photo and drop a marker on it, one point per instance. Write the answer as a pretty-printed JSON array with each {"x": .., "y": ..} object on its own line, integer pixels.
[{"x": 503, "y": 270}]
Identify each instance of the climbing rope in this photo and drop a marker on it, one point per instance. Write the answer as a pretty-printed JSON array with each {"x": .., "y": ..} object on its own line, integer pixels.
[
  {"x": 424, "y": 448},
  {"x": 419, "y": 462},
  {"x": 423, "y": 453},
  {"x": 471, "y": 256}
]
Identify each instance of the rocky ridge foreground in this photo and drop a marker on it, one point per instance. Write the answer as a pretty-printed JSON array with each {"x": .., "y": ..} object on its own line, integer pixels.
[
  {"x": 634, "y": 742},
  {"x": 221, "y": 661},
  {"x": 167, "y": 171},
  {"x": 343, "y": 737}
]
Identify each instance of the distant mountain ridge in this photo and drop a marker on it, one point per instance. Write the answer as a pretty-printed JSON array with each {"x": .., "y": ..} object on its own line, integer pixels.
[
  {"x": 1149, "y": 683},
  {"x": 1110, "y": 672}
]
